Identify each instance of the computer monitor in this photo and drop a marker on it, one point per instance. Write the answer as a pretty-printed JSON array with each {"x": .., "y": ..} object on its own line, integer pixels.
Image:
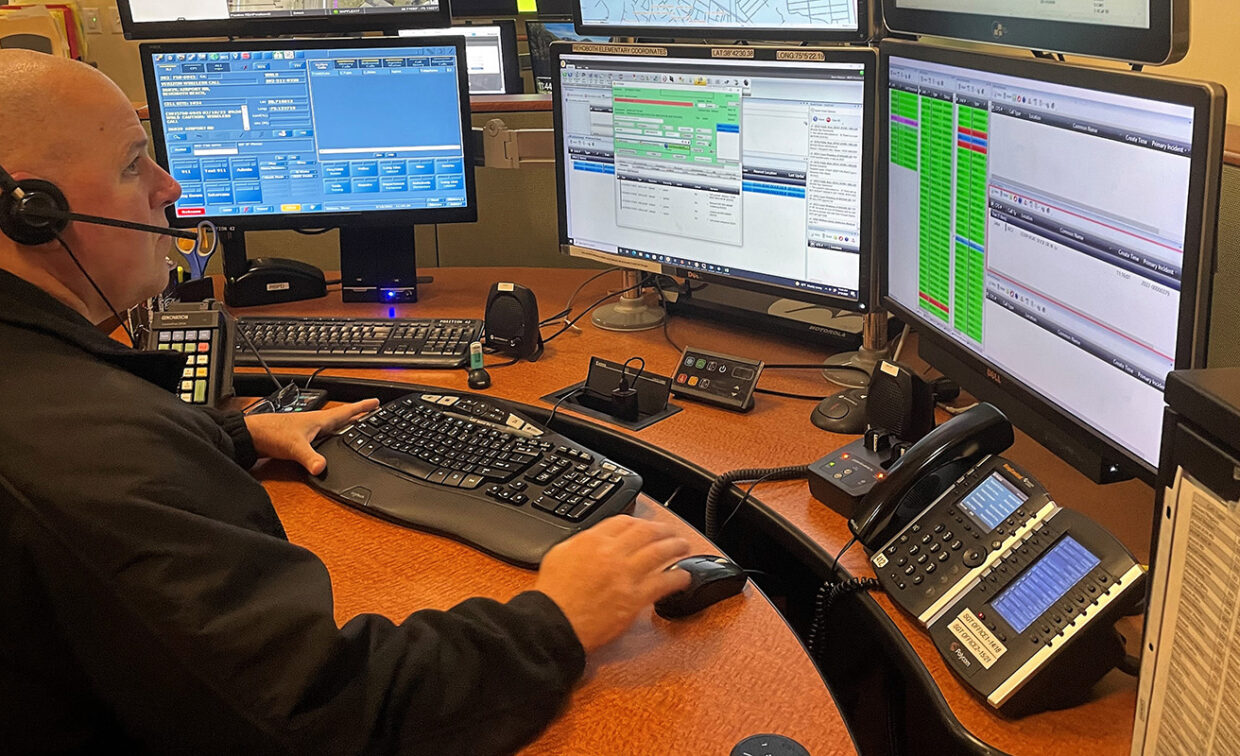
[
  {"x": 1143, "y": 31},
  {"x": 161, "y": 19},
  {"x": 751, "y": 167},
  {"x": 541, "y": 35},
  {"x": 490, "y": 52},
  {"x": 819, "y": 20},
  {"x": 1049, "y": 232},
  {"x": 361, "y": 134}
]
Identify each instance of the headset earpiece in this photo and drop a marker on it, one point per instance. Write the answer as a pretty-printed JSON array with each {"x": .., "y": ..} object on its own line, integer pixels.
[{"x": 22, "y": 226}]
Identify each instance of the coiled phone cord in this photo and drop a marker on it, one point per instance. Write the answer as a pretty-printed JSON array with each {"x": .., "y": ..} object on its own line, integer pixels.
[
  {"x": 725, "y": 480},
  {"x": 827, "y": 595}
]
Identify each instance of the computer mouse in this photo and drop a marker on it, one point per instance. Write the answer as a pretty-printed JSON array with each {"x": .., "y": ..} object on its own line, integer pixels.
[
  {"x": 714, "y": 578},
  {"x": 479, "y": 379},
  {"x": 843, "y": 412}
]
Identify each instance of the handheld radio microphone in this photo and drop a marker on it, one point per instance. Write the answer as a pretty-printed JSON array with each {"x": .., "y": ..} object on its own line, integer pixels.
[{"x": 34, "y": 212}]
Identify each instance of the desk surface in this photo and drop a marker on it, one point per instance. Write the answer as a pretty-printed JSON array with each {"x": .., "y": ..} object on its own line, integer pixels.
[{"x": 777, "y": 432}]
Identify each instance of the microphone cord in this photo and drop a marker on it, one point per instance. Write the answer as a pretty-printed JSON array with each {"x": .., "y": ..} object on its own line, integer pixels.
[{"x": 132, "y": 341}]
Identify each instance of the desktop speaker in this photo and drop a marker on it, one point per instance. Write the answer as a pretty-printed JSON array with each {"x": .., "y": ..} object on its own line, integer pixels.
[{"x": 511, "y": 322}]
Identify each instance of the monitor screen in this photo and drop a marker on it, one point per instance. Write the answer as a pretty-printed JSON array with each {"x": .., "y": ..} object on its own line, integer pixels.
[
  {"x": 302, "y": 132},
  {"x": 1049, "y": 233},
  {"x": 541, "y": 36},
  {"x": 1150, "y": 31},
  {"x": 1049, "y": 579},
  {"x": 490, "y": 53},
  {"x": 155, "y": 19},
  {"x": 749, "y": 172},
  {"x": 761, "y": 19}
]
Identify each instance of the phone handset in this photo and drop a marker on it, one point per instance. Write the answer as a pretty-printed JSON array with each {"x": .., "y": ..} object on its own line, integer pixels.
[{"x": 926, "y": 470}]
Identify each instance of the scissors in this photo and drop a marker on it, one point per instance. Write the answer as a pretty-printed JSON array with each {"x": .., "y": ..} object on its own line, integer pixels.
[{"x": 198, "y": 251}]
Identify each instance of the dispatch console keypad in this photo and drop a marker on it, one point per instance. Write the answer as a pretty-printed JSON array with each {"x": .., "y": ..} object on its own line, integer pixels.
[{"x": 196, "y": 345}]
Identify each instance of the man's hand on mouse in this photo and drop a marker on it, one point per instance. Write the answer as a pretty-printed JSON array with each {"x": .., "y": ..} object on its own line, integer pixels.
[
  {"x": 603, "y": 577},
  {"x": 281, "y": 435}
]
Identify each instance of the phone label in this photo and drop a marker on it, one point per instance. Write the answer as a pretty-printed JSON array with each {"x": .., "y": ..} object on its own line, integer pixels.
[{"x": 976, "y": 639}]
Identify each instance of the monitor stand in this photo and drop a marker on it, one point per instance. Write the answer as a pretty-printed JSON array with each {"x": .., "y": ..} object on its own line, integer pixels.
[
  {"x": 634, "y": 312},
  {"x": 265, "y": 280},
  {"x": 378, "y": 264},
  {"x": 875, "y": 348}
]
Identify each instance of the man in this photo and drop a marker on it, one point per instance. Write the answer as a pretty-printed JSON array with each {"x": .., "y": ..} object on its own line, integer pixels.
[{"x": 149, "y": 600}]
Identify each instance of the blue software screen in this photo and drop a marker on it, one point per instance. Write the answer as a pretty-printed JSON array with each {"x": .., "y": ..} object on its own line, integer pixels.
[
  {"x": 992, "y": 502},
  {"x": 312, "y": 131},
  {"x": 1044, "y": 583}
]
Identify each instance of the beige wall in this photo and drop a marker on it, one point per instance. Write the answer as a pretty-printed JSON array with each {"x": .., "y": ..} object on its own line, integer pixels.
[{"x": 1215, "y": 35}]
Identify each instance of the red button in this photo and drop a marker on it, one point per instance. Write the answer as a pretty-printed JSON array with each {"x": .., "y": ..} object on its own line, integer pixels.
[{"x": 682, "y": 378}]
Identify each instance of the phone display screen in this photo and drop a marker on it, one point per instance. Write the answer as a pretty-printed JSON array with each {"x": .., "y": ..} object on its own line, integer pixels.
[
  {"x": 992, "y": 502},
  {"x": 1044, "y": 583}
]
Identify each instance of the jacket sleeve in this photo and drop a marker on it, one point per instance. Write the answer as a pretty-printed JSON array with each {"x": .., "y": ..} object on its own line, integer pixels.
[
  {"x": 205, "y": 636},
  {"x": 238, "y": 443}
]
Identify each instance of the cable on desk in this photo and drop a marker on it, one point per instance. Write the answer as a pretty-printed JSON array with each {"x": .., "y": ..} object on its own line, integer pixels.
[
  {"x": 757, "y": 474},
  {"x": 560, "y": 401},
  {"x": 315, "y": 374},
  {"x": 568, "y": 306},
  {"x": 806, "y": 397},
  {"x": 667, "y": 313},
  {"x": 573, "y": 322}
]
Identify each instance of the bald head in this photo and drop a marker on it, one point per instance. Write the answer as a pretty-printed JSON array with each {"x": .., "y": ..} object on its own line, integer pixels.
[
  {"x": 65, "y": 122},
  {"x": 50, "y": 105}
]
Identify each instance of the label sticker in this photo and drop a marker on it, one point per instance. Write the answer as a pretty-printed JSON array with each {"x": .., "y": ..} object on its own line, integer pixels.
[{"x": 977, "y": 639}]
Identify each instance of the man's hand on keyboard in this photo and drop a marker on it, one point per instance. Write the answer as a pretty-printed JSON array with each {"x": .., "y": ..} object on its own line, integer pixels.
[
  {"x": 282, "y": 435},
  {"x": 603, "y": 577}
]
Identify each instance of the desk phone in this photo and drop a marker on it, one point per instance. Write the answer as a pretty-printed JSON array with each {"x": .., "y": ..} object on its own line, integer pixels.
[{"x": 1019, "y": 595}]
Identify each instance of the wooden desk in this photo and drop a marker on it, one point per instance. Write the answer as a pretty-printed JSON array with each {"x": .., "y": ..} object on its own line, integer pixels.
[
  {"x": 695, "y": 686},
  {"x": 778, "y": 432}
]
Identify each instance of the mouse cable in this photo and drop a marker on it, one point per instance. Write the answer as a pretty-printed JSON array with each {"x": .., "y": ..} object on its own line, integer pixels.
[
  {"x": 827, "y": 594},
  {"x": 724, "y": 481}
]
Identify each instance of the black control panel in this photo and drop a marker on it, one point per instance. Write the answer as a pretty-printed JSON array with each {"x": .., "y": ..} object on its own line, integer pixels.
[{"x": 717, "y": 379}]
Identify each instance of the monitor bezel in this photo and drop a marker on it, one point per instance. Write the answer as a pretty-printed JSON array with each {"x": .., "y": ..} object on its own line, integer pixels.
[
  {"x": 270, "y": 26},
  {"x": 863, "y": 33},
  {"x": 1083, "y": 446},
  {"x": 466, "y": 214},
  {"x": 508, "y": 51},
  {"x": 867, "y": 295},
  {"x": 1166, "y": 41},
  {"x": 509, "y": 9}
]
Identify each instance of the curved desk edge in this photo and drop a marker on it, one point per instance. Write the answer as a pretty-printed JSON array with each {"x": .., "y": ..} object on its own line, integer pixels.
[{"x": 644, "y": 456}]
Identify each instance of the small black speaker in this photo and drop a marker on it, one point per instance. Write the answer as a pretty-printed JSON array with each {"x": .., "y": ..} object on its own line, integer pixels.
[
  {"x": 900, "y": 402},
  {"x": 512, "y": 322}
]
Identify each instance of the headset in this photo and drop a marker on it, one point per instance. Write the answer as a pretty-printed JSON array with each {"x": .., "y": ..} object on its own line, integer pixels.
[{"x": 35, "y": 212}]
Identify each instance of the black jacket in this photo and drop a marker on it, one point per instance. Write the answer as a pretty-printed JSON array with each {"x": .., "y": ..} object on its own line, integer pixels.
[{"x": 150, "y": 602}]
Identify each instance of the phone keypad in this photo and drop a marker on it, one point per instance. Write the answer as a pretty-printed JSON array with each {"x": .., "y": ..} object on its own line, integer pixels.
[{"x": 196, "y": 344}]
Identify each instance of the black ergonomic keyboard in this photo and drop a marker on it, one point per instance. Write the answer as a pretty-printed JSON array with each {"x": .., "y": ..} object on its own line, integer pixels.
[
  {"x": 357, "y": 342},
  {"x": 467, "y": 467}
]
